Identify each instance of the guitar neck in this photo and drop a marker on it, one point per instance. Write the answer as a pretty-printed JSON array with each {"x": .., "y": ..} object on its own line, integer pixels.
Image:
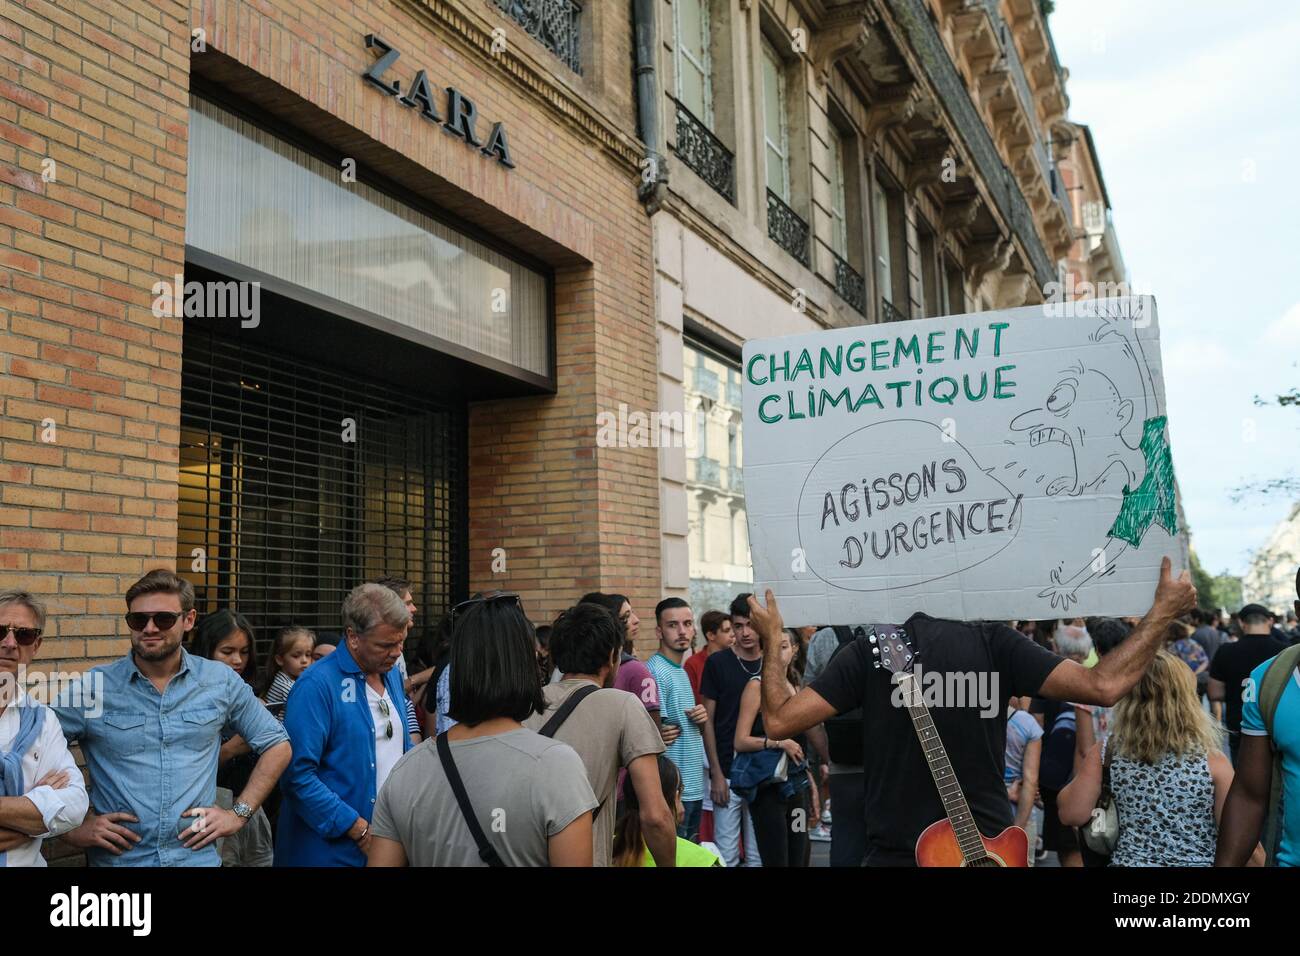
[{"x": 945, "y": 778}]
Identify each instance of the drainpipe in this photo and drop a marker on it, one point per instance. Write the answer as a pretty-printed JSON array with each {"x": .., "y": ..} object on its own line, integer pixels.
[{"x": 654, "y": 175}]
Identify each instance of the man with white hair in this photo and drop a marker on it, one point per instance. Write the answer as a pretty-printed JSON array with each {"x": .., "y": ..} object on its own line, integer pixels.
[
  {"x": 42, "y": 793},
  {"x": 346, "y": 719}
]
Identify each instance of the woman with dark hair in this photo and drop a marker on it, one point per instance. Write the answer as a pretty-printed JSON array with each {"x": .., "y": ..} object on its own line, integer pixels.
[
  {"x": 226, "y": 636},
  {"x": 633, "y": 676},
  {"x": 488, "y": 791}
]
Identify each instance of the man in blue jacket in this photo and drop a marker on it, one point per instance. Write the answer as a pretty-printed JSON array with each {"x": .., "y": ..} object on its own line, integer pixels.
[{"x": 345, "y": 718}]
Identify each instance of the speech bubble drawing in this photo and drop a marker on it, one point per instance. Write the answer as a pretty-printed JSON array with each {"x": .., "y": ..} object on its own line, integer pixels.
[{"x": 866, "y": 531}]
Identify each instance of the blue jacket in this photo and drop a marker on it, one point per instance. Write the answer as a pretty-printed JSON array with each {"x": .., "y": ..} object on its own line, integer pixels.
[{"x": 331, "y": 779}]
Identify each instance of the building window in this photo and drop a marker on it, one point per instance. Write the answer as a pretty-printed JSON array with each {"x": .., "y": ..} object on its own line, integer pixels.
[
  {"x": 556, "y": 24},
  {"x": 694, "y": 80},
  {"x": 776, "y": 136},
  {"x": 956, "y": 293},
  {"x": 931, "y": 298},
  {"x": 715, "y": 492},
  {"x": 839, "y": 216},
  {"x": 845, "y": 221},
  {"x": 891, "y": 254}
]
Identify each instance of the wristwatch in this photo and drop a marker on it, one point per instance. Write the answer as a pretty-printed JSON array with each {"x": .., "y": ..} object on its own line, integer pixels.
[{"x": 242, "y": 810}]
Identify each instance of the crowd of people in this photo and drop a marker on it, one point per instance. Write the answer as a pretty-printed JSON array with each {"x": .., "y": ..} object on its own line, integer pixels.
[{"x": 1172, "y": 739}]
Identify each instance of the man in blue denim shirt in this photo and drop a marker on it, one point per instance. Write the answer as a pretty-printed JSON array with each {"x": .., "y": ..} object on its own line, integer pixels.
[
  {"x": 345, "y": 719},
  {"x": 152, "y": 752}
]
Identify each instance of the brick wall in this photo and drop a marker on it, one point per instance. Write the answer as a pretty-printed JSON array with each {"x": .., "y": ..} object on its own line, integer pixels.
[
  {"x": 92, "y": 210},
  {"x": 101, "y": 88}
]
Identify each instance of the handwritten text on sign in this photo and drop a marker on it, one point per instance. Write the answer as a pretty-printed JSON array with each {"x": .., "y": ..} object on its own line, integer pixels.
[{"x": 972, "y": 466}]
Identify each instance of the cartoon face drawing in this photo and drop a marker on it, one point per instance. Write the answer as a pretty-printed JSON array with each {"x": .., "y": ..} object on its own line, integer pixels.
[{"x": 1084, "y": 408}]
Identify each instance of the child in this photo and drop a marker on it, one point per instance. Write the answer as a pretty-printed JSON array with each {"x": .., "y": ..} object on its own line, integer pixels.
[
  {"x": 629, "y": 845},
  {"x": 289, "y": 657}
]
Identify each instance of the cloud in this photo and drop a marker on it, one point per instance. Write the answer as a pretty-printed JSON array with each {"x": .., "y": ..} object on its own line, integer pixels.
[{"x": 1284, "y": 331}]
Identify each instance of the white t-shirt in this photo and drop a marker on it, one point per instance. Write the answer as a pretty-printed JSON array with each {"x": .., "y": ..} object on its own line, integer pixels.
[{"x": 387, "y": 751}]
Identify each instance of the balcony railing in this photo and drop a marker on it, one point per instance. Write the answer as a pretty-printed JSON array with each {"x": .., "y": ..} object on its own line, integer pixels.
[
  {"x": 556, "y": 24},
  {"x": 706, "y": 382},
  {"x": 699, "y": 149},
  {"x": 786, "y": 229},
  {"x": 708, "y": 471},
  {"x": 735, "y": 395},
  {"x": 736, "y": 478},
  {"x": 850, "y": 285},
  {"x": 890, "y": 314}
]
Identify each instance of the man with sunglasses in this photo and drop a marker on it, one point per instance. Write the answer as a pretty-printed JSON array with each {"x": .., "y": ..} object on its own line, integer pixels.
[
  {"x": 42, "y": 792},
  {"x": 153, "y": 752},
  {"x": 346, "y": 719}
]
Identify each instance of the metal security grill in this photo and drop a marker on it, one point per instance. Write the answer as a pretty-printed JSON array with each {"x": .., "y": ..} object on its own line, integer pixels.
[{"x": 299, "y": 482}]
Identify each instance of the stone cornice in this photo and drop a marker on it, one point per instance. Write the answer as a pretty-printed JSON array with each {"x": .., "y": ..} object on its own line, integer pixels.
[{"x": 562, "y": 100}]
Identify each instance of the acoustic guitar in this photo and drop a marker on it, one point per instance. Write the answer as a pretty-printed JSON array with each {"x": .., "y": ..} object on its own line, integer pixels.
[{"x": 954, "y": 840}]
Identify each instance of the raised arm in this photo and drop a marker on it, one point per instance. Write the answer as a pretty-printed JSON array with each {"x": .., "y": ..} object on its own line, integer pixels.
[
  {"x": 784, "y": 714},
  {"x": 1117, "y": 672}
]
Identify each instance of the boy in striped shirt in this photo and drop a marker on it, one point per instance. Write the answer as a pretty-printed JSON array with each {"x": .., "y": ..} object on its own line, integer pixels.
[{"x": 675, "y": 628}]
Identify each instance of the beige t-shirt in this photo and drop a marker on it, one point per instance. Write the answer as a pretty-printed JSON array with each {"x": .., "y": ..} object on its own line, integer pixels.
[
  {"x": 524, "y": 789},
  {"x": 609, "y": 730}
]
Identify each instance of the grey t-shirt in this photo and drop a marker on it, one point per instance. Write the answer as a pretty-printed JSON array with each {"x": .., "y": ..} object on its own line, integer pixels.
[
  {"x": 524, "y": 788},
  {"x": 609, "y": 729}
]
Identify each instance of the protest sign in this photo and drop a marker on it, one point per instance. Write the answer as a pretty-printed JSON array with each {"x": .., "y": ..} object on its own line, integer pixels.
[{"x": 993, "y": 466}]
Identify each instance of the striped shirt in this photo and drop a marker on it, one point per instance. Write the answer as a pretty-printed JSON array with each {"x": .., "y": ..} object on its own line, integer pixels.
[
  {"x": 676, "y": 696},
  {"x": 278, "y": 693}
]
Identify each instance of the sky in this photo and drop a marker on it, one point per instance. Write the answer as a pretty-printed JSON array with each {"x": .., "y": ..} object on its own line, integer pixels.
[{"x": 1194, "y": 107}]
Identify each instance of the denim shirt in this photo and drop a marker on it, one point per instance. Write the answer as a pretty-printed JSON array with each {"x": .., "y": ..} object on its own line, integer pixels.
[
  {"x": 154, "y": 755},
  {"x": 331, "y": 779}
]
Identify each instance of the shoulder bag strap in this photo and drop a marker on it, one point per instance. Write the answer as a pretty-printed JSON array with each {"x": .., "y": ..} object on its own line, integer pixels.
[
  {"x": 1271, "y": 689},
  {"x": 552, "y": 726},
  {"x": 487, "y": 853}
]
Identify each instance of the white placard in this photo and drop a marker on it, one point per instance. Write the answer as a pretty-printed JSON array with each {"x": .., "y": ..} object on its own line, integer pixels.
[{"x": 992, "y": 466}]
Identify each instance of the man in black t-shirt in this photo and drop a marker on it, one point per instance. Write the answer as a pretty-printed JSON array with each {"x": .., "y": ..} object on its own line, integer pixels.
[
  {"x": 902, "y": 799},
  {"x": 1233, "y": 663},
  {"x": 723, "y": 681}
]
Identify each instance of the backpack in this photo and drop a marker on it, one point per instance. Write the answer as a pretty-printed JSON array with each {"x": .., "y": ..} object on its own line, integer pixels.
[
  {"x": 1270, "y": 694},
  {"x": 844, "y": 731}
]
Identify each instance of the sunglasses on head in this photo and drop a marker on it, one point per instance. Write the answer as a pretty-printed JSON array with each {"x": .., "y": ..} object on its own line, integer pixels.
[
  {"x": 163, "y": 620},
  {"x": 492, "y": 598},
  {"x": 25, "y": 636}
]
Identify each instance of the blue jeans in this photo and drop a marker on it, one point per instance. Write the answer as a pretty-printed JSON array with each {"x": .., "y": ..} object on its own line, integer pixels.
[
  {"x": 689, "y": 828},
  {"x": 728, "y": 824}
]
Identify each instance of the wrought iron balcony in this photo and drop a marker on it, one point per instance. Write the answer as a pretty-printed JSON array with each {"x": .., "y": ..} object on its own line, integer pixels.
[
  {"x": 786, "y": 229},
  {"x": 736, "y": 478},
  {"x": 850, "y": 285},
  {"x": 890, "y": 314},
  {"x": 708, "y": 471},
  {"x": 556, "y": 24},
  {"x": 699, "y": 149}
]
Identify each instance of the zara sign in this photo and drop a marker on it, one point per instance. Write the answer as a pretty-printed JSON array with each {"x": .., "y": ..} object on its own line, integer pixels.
[{"x": 460, "y": 109}]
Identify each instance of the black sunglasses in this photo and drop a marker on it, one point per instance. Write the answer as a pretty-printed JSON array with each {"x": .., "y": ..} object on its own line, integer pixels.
[
  {"x": 163, "y": 620},
  {"x": 387, "y": 715},
  {"x": 464, "y": 606},
  {"x": 25, "y": 636}
]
